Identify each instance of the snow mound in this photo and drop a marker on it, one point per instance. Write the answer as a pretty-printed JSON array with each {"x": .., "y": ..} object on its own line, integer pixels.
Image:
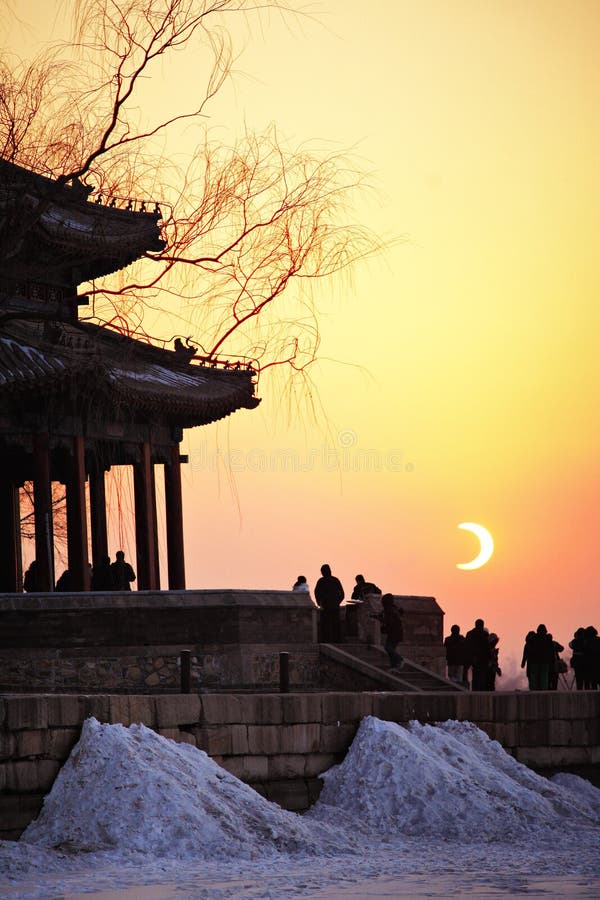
[
  {"x": 578, "y": 787},
  {"x": 449, "y": 780},
  {"x": 130, "y": 789}
]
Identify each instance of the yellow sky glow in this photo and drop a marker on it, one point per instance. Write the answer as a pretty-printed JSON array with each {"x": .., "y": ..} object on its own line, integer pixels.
[{"x": 474, "y": 384}]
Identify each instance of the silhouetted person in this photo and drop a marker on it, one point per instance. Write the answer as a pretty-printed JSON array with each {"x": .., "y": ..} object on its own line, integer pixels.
[
  {"x": 493, "y": 668},
  {"x": 456, "y": 657},
  {"x": 479, "y": 654},
  {"x": 301, "y": 584},
  {"x": 362, "y": 588},
  {"x": 391, "y": 625},
  {"x": 555, "y": 666},
  {"x": 591, "y": 658},
  {"x": 30, "y": 582},
  {"x": 578, "y": 658},
  {"x": 525, "y": 658},
  {"x": 540, "y": 659},
  {"x": 121, "y": 573},
  {"x": 102, "y": 576},
  {"x": 64, "y": 583},
  {"x": 329, "y": 593}
]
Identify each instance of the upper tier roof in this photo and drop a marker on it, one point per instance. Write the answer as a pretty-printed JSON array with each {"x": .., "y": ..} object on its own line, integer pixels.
[
  {"x": 48, "y": 231},
  {"x": 54, "y": 359}
]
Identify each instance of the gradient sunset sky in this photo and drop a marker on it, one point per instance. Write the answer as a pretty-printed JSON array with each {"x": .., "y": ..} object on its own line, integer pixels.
[{"x": 460, "y": 377}]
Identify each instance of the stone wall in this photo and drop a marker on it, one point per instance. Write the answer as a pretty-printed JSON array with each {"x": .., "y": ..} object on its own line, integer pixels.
[
  {"x": 279, "y": 743},
  {"x": 130, "y": 642},
  {"x": 139, "y": 618},
  {"x": 140, "y": 670}
]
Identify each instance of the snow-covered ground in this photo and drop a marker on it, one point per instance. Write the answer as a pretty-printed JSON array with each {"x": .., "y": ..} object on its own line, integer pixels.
[{"x": 420, "y": 811}]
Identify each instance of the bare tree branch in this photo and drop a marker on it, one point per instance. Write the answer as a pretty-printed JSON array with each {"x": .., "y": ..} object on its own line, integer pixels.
[{"x": 248, "y": 228}]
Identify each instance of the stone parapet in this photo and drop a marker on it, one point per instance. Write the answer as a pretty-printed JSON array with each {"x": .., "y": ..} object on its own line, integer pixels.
[{"x": 279, "y": 743}]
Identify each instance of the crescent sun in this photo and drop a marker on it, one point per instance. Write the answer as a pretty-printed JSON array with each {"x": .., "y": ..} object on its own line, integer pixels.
[{"x": 486, "y": 546}]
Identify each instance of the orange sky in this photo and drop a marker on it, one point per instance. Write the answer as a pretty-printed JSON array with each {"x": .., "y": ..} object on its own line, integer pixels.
[{"x": 460, "y": 374}]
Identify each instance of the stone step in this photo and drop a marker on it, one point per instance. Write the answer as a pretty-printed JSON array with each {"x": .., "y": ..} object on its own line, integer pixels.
[{"x": 412, "y": 674}]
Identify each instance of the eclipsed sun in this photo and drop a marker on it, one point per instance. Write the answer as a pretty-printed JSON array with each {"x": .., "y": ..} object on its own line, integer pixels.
[{"x": 486, "y": 546}]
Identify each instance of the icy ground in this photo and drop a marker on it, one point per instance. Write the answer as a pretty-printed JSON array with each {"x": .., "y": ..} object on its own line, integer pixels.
[{"x": 420, "y": 811}]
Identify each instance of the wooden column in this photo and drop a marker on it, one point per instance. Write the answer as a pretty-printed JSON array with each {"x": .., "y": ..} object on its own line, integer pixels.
[
  {"x": 155, "y": 517},
  {"x": 145, "y": 523},
  {"x": 11, "y": 570},
  {"x": 42, "y": 501},
  {"x": 174, "y": 520},
  {"x": 77, "y": 544},
  {"x": 98, "y": 517}
]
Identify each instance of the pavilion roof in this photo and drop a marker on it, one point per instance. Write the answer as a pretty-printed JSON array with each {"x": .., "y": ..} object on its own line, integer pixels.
[
  {"x": 50, "y": 358},
  {"x": 49, "y": 226}
]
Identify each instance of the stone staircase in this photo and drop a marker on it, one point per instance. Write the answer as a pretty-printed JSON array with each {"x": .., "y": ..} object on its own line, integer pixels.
[{"x": 373, "y": 662}]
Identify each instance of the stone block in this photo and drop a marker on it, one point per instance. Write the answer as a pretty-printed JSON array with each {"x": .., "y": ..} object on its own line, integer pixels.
[
  {"x": 239, "y": 740},
  {"x": 284, "y": 766},
  {"x": 60, "y": 742},
  {"x": 533, "y": 733},
  {"x": 430, "y": 708},
  {"x": 315, "y": 786},
  {"x": 26, "y": 712},
  {"x": 31, "y": 776},
  {"x": 30, "y": 743},
  {"x": 200, "y": 737},
  {"x": 171, "y": 734},
  {"x": 593, "y": 729},
  {"x": 570, "y": 756},
  {"x": 392, "y": 707},
  {"x": 264, "y": 739},
  {"x": 120, "y": 712},
  {"x": 536, "y": 757},
  {"x": 213, "y": 739},
  {"x": 346, "y": 707},
  {"x": 492, "y": 729},
  {"x": 304, "y": 738},
  {"x": 535, "y": 705},
  {"x": 8, "y": 743},
  {"x": 292, "y": 795},
  {"x": 474, "y": 707},
  {"x": 185, "y": 737},
  {"x": 337, "y": 738},
  {"x": 142, "y": 710},
  {"x": 317, "y": 763},
  {"x": 220, "y": 709},
  {"x": 247, "y": 768},
  {"x": 16, "y": 813},
  {"x": 177, "y": 709},
  {"x": 261, "y": 709},
  {"x": 560, "y": 732},
  {"x": 65, "y": 710},
  {"x": 98, "y": 706},
  {"x": 505, "y": 706},
  {"x": 575, "y": 704},
  {"x": 507, "y": 733},
  {"x": 299, "y": 708}
]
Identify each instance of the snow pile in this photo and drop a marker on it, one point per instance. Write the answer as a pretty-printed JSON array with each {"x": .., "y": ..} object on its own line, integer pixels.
[
  {"x": 450, "y": 781},
  {"x": 132, "y": 794},
  {"x": 129, "y": 789}
]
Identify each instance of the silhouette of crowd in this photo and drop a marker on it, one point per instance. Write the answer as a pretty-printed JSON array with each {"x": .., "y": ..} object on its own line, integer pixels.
[
  {"x": 585, "y": 660},
  {"x": 474, "y": 654},
  {"x": 541, "y": 660},
  {"x": 105, "y": 576}
]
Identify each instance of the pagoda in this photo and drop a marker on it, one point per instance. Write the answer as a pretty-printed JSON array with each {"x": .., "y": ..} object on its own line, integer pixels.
[{"x": 77, "y": 398}]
